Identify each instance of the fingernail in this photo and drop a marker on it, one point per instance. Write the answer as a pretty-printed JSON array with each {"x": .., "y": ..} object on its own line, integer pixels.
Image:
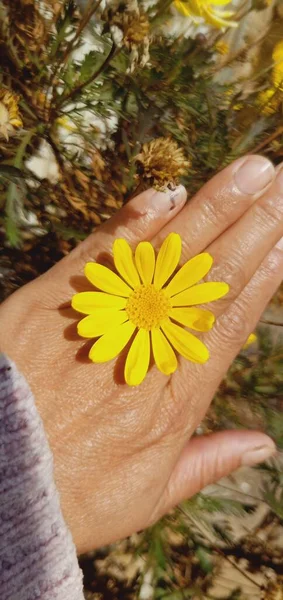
[
  {"x": 279, "y": 244},
  {"x": 170, "y": 199},
  {"x": 258, "y": 455},
  {"x": 254, "y": 175}
]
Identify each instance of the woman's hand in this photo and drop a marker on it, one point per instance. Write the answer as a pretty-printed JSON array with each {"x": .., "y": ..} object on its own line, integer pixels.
[{"x": 122, "y": 455}]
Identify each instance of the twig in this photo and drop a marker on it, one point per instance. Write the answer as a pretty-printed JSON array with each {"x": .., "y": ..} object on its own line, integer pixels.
[
  {"x": 22, "y": 148},
  {"x": 226, "y": 487},
  {"x": 218, "y": 551},
  {"x": 237, "y": 55},
  {"x": 269, "y": 322},
  {"x": 272, "y": 137},
  {"x": 84, "y": 21},
  {"x": 84, "y": 84}
]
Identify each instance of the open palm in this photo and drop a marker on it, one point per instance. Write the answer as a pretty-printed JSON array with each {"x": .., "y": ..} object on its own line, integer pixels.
[{"x": 123, "y": 455}]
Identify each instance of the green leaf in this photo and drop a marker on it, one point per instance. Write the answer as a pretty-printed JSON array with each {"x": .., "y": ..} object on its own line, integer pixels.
[
  {"x": 63, "y": 25},
  {"x": 12, "y": 232},
  {"x": 275, "y": 426},
  {"x": 89, "y": 64},
  {"x": 205, "y": 558},
  {"x": 13, "y": 202}
]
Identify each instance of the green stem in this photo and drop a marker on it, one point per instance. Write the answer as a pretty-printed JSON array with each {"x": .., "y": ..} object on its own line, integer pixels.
[{"x": 22, "y": 148}]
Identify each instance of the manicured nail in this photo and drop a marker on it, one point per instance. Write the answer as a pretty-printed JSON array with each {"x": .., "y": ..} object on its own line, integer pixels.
[
  {"x": 279, "y": 244},
  {"x": 254, "y": 175},
  {"x": 258, "y": 455},
  {"x": 170, "y": 199}
]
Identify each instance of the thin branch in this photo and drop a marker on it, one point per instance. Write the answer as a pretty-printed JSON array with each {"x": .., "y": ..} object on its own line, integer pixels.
[
  {"x": 226, "y": 487},
  {"x": 269, "y": 322},
  {"x": 60, "y": 65},
  {"x": 218, "y": 551},
  {"x": 90, "y": 80},
  {"x": 237, "y": 55},
  {"x": 268, "y": 140},
  {"x": 89, "y": 12}
]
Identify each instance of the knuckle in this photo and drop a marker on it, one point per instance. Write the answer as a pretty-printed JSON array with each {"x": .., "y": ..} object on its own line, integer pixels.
[
  {"x": 187, "y": 246},
  {"x": 272, "y": 265},
  {"x": 214, "y": 210},
  {"x": 234, "y": 325},
  {"x": 174, "y": 418},
  {"x": 270, "y": 212},
  {"x": 233, "y": 272}
]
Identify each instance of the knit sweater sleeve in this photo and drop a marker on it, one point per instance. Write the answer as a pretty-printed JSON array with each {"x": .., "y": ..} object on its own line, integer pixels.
[{"x": 37, "y": 554}]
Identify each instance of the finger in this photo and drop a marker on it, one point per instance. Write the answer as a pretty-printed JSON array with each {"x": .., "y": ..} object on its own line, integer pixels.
[
  {"x": 139, "y": 219},
  {"x": 239, "y": 252},
  {"x": 206, "y": 459},
  {"x": 229, "y": 334},
  {"x": 235, "y": 325},
  {"x": 220, "y": 203}
]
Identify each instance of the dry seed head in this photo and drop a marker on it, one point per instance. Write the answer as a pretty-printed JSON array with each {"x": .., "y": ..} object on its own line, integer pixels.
[
  {"x": 10, "y": 119},
  {"x": 161, "y": 163}
]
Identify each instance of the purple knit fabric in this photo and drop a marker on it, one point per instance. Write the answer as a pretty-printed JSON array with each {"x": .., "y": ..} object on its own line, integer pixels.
[{"x": 37, "y": 554}]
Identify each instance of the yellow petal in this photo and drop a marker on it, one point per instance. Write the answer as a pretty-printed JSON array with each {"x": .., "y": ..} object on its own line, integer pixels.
[
  {"x": 215, "y": 20},
  {"x": 193, "y": 271},
  {"x": 195, "y": 318},
  {"x": 112, "y": 343},
  {"x": 200, "y": 294},
  {"x": 102, "y": 321},
  {"x": 182, "y": 8},
  {"x": 219, "y": 2},
  {"x": 185, "y": 343},
  {"x": 137, "y": 362},
  {"x": 124, "y": 262},
  {"x": 164, "y": 355},
  {"x": 145, "y": 262},
  {"x": 106, "y": 280},
  {"x": 251, "y": 340},
  {"x": 89, "y": 302},
  {"x": 168, "y": 258}
]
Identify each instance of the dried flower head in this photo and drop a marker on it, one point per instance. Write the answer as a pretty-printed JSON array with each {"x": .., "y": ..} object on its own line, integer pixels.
[
  {"x": 10, "y": 119},
  {"x": 26, "y": 28},
  {"x": 134, "y": 27},
  {"x": 161, "y": 163}
]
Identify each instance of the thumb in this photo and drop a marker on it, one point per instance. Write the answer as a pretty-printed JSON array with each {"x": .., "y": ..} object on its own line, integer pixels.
[{"x": 206, "y": 459}]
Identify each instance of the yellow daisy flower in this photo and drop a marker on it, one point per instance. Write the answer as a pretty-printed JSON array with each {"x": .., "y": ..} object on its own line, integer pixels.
[
  {"x": 204, "y": 8},
  {"x": 140, "y": 305}
]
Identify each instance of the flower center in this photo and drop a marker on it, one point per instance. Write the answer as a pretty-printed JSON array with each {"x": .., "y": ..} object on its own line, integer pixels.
[{"x": 147, "y": 307}]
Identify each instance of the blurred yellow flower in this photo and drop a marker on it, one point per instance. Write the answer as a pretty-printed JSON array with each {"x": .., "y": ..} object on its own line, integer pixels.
[
  {"x": 277, "y": 72},
  {"x": 271, "y": 99},
  {"x": 136, "y": 306},
  {"x": 206, "y": 9},
  {"x": 9, "y": 113},
  {"x": 222, "y": 47},
  {"x": 251, "y": 340}
]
